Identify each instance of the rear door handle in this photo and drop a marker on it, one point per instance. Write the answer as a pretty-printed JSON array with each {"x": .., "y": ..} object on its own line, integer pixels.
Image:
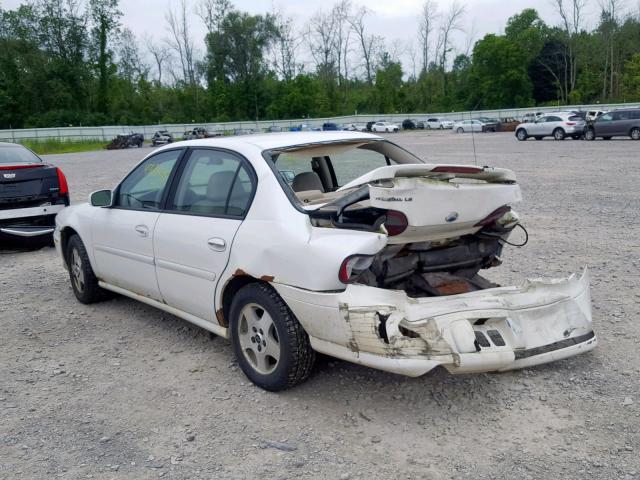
[
  {"x": 142, "y": 230},
  {"x": 217, "y": 244}
]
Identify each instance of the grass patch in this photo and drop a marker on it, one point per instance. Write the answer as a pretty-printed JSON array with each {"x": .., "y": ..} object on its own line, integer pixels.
[{"x": 49, "y": 146}]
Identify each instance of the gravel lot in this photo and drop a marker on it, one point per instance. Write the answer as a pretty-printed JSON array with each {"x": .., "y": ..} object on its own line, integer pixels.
[{"x": 120, "y": 390}]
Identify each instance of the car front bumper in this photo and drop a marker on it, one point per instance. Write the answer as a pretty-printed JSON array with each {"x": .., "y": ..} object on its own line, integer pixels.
[{"x": 496, "y": 329}]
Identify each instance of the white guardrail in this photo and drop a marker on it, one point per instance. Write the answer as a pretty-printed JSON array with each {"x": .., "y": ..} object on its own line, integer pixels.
[{"x": 109, "y": 132}]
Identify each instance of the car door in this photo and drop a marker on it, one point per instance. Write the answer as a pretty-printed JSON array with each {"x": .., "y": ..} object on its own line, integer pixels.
[
  {"x": 604, "y": 125},
  {"x": 123, "y": 233},
  {"x": 193, "y": 237}
]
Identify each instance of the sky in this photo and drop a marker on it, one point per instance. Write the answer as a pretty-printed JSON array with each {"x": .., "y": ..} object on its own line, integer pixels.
[{"x": 392, "y": 19}]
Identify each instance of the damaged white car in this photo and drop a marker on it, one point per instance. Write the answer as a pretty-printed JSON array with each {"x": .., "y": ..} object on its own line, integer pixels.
[{"x": 368, "y": 255}]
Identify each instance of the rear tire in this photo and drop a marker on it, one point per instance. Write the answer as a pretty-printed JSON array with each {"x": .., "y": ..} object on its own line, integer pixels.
[
  {"x": 590, "y": 134},
  {"x": 521, "y": 135},
  {"x": 635, "y": 133},
  {"x": 558, "y": 134},
  {"x": 271, "y": 347},
  {"x": 83, "y": 280}
]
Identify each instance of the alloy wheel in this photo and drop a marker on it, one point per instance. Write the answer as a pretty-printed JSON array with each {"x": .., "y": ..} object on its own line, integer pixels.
[
  {"x": 259, "y": 338},
  {"x": 76, "y": 270}
]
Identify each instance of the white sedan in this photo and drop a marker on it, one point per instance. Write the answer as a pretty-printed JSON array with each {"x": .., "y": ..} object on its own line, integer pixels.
[
  {"x": 465, "y": 126},
  {"x": 385, "y": 127},
  {"x": 366, "y": 254}
]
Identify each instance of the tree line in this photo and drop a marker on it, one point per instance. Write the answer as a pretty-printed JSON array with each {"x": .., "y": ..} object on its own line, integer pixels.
[{"x": 73, "y": 62}]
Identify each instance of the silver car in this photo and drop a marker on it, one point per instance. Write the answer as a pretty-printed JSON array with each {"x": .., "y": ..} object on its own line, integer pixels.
[{"x": 558, "y": 125}]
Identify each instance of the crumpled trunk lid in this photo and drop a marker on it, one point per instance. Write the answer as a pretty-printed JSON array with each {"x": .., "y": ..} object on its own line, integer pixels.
[{"x": 437, "y": 209}]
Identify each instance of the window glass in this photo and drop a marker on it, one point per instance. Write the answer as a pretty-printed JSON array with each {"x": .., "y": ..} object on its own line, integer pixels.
[
  {"x": 634, "y": 114},
  {"x": 607, "y": 117},
  {"x": 213, "y": 183},
  {"x": 17, "y": 154},
  {"x": 553, "y": 119},
  {"x": 144, "y": 187}
]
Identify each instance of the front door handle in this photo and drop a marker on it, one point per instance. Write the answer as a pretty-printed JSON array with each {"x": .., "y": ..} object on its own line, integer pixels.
[
  {"x": 142, "y": 230},
  {"x": 217, "y": 244}
]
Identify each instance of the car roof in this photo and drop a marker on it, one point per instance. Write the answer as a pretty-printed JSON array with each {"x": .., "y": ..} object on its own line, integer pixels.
[{"x": 272, "y": 141}]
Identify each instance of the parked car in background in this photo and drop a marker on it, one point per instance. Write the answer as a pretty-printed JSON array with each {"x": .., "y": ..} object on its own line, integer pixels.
[
  {"x": 421, "y": 124},
  {"x": 466, "y": 126},
  {"x": 508, "y": 124},
  {"x": 558, "y": 125},
  {"x": 200, "y": 132},
  {"x": 330, "y": 127},
  {"x": 591, "y": 115},
  {"x": 408, "y": 124},
  {"x": 303, "y": 127},
  {"x": 209, "y": 231},
  {"x": 356, "y": 127},
  {"x": 617, "y": 123},
  {"x": 31, "y": 194},
  {"x": 274, "y": 129},
  {"x": 288, "y": 175},
  {"x": 438, "y": 123},
  {"x": 530, "y": 117},
  {"x": 370, "y": 126},
  {"x": 161, "y": 137},
  {"x": 385, "y": 127},
  {"x": 126, "y": 141},
  {"x": 490, "y": 124}
]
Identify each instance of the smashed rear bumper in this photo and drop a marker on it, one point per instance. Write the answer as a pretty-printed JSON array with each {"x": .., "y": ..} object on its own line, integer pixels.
[{"x": 490, "y": 330}]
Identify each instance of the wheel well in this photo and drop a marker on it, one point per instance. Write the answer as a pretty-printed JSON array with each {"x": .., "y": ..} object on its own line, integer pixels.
[
  {"x": 65, "y": 235},
  {"x": 230, "y": 289}
]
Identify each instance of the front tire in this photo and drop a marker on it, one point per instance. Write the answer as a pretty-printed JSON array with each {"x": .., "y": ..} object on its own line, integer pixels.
[
  {"x": 460, "y": 130},
  {"x": 271, "y": 347},
  {"x": 521, "y": 135},
  {"x": 83, "y": 280},
  {"x": 590, "y": 134},
  {"x": 558, "y": 134}
]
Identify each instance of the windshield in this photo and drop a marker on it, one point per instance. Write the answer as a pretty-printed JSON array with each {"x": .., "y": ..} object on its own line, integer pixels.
[{"x": 12, "y": 154}]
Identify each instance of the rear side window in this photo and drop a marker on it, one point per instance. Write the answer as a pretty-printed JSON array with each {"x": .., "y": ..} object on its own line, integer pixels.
[
  {"x": 144, "y": 188},
  {"x": 214, "y": 183},
  {"x": 575, "y": 118},
  {"x": 634, "y": 114},
  {"x": 553, "y": 119}
]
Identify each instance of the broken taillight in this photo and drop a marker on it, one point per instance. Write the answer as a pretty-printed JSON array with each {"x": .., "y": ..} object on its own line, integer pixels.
[
  {"x": 354, "y": 265},
  {"x": 62, "y": 182},
  {"x": 493, "y": 216},
  {"x": 396, "y": 223}
]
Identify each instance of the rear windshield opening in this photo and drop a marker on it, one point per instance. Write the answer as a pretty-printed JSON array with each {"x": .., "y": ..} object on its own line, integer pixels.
[{"x": 14, "y": 154}]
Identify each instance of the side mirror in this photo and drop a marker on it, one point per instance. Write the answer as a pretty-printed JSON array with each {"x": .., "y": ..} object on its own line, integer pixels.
[{"x": 101, "y": 198}]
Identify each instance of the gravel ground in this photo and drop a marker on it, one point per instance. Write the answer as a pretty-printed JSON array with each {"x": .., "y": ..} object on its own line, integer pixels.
[{"x": 119, "y": 390}]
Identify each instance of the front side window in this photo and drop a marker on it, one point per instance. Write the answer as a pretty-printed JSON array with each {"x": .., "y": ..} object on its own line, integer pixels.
[
  {"x": 213, "y": 183},
  {"x": 607, "y": 117},
  {"x": 144, "y": 188}
]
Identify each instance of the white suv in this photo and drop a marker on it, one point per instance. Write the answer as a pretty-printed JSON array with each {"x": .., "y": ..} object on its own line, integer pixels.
[
  {"x": 438, "y": 123},
  {"x": 368, "y": 255},
  {"x": 558, "y": 125}
]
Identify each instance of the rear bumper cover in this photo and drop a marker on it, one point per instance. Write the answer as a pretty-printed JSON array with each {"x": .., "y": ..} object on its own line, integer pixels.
[
  {"x": 32, "y": 222},
  {"x": 491, "y": 330}
]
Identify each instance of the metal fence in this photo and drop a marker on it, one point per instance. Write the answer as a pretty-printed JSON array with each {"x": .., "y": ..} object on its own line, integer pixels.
[{"x": 109, "y": 132}]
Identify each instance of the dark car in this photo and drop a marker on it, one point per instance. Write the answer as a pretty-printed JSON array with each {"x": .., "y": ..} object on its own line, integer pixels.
[
  {"x": 126, "y": 141},
  {"x": 370, "y": 126},
  {"x": 420, "y": 125},
  {"x": 490, "y": 124},
  {"x": 408, "y": 124},
  {"x": 618, "y": 123},
  {"x": 330, "y": 126},
  {"x": 161, "y": 137},
  {"x": 31, "y": 194}
]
